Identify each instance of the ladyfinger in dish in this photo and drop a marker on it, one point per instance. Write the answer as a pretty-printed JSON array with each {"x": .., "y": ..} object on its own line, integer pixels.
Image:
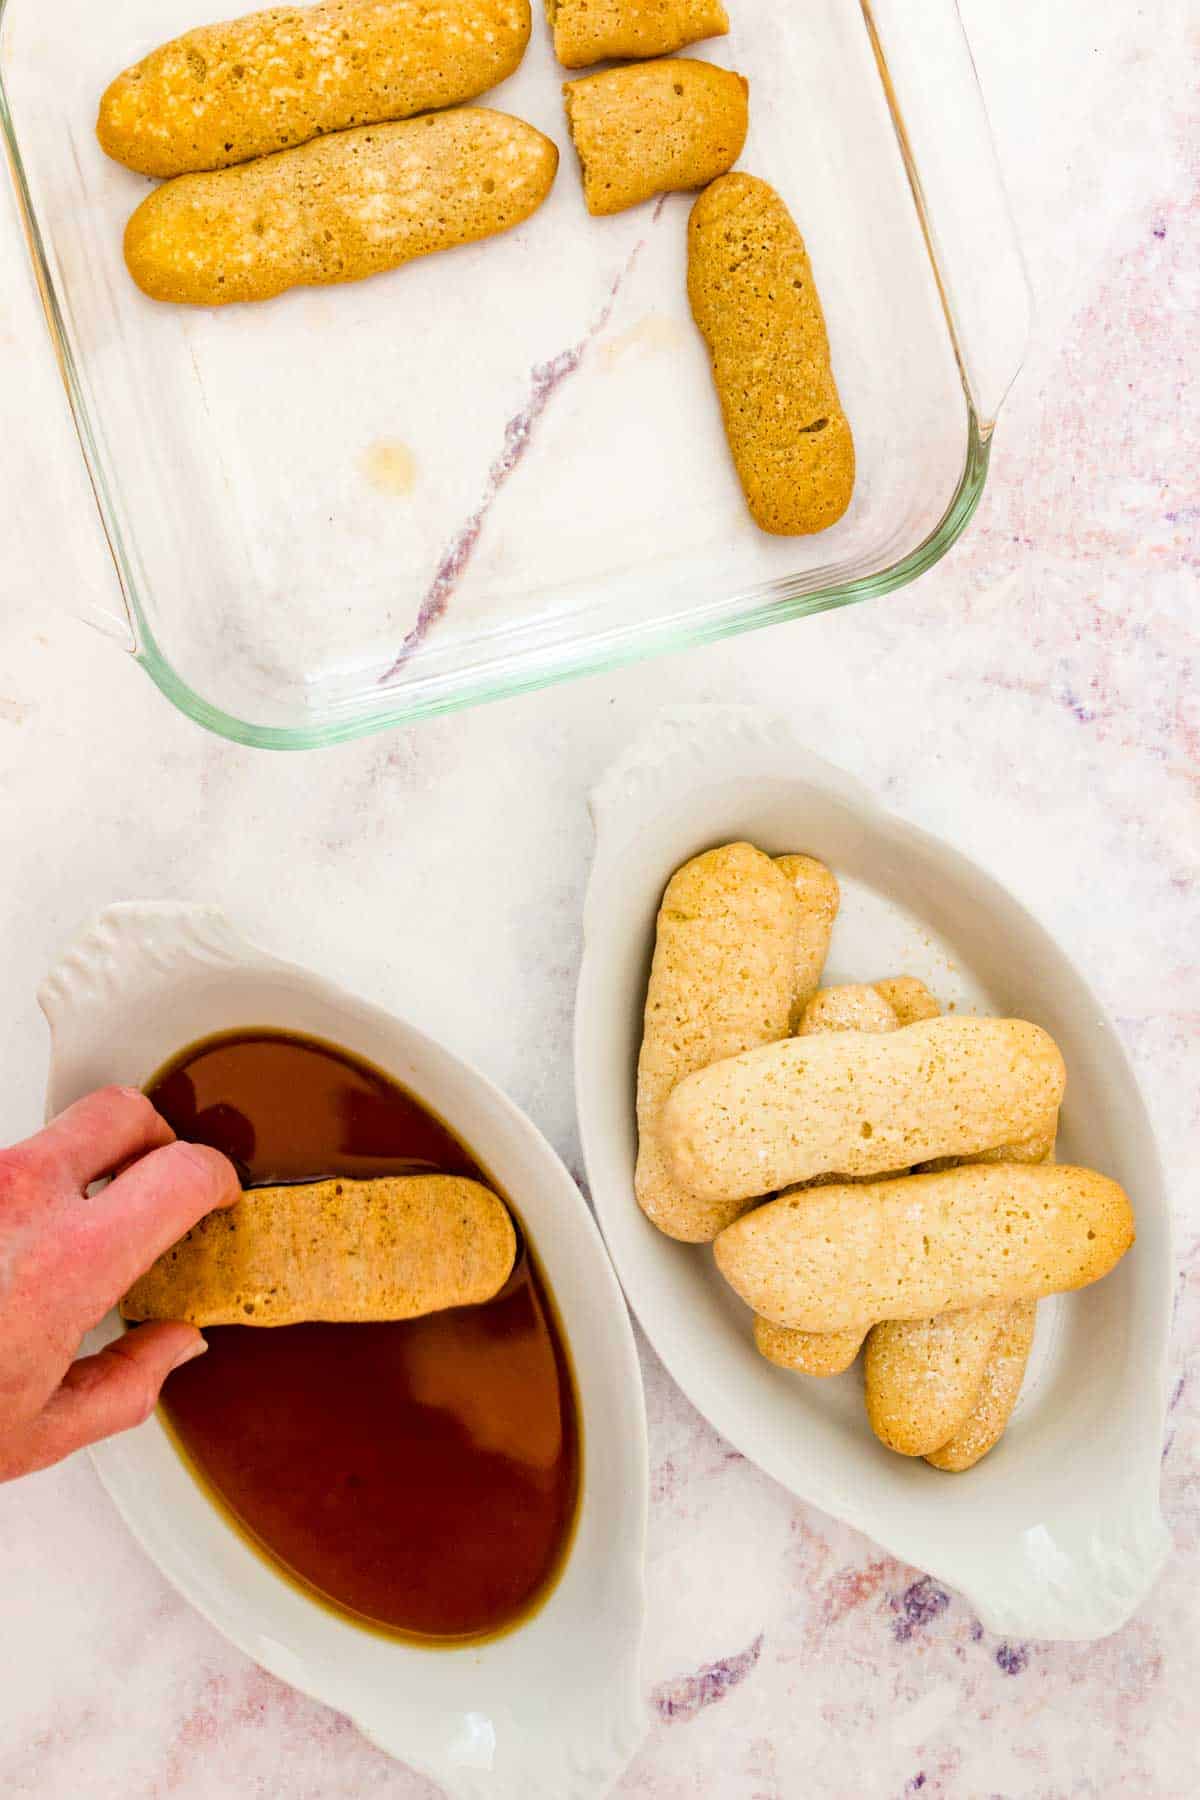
[
  {"x": 654, "y": 127},
  {"x": 909, "y": 999},
  {"x": 755, "y": 302},
  {"x": 248, "y": 87},
  {"x": 984, "y": 1426},
  {"x": 833, "y": 1258},
  {"x": 849, "y": 1008},
  {"x": 859, "y": 1104},
  {"x": 820, "y": 897},
  {"x": 392, "y": 1248},
  {"x": 923, "y": 1376},
  {"x": 592, "y": 31},
  {"x": 721, "y": 980},
  {"x": 852, "y": 1007},
  {"x": 340, "y": 208},
  {"x": 807, "y": 1352}
]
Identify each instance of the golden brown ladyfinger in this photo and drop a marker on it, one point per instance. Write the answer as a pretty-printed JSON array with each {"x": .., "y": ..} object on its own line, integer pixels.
[
  {"x": 909, "y": 999},
  {"x": 851, "y": 1007},
  {"x": 859, "y": 1104},
  {"x": 923, "y": 1376},
  {"x": 392, "y": 1248},
  {"x": 820, "y": 897},
  {"x": 267, "y": 82},
  {"x": 832, "y": 1258},
  {"x": 807, "y": 1352},
  {"x": 592, "y": 31},
  {"x": 345, "y": 206},
  {"x": 722, "y": 977},
  {"x": 755, "y": 301},
  {"x": 985, "y": 1425},
  {"x": 654, "y": 127}
]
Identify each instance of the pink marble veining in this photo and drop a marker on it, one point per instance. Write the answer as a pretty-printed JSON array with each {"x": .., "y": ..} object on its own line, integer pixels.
[{"x": 545, "y": 379}]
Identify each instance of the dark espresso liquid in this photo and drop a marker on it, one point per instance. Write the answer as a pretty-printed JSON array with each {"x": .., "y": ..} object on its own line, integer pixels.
[{"x": 422, "y": 1475}]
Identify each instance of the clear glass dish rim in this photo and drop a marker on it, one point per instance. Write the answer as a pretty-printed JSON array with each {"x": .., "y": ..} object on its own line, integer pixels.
[{"x": 472, "y": 686}]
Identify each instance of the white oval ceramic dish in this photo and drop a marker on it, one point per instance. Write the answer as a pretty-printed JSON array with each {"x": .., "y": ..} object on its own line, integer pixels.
[
  {"x": 1058, "y": 1534},
  {"x": 552, "y": 1710}
]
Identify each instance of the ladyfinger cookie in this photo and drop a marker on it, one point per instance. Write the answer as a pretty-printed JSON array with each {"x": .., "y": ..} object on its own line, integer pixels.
[
  {"x": 923, "y": 1376},
  {"x": 985, "y": 1425},
  {"x": 820, "y": 897},
  {"x": 654, "y": 127},
  {"x": 392, "y": 1248},
  {"x": 592, "y": 31},
  {"x": 755, "y": 302},
  {"x": 832, "y": 1258},
  {"x": 909, "y": 999},
  {"x": 337, "y": 209},
  {"x": 268, "y": 82},
  {"x": 859, "y": 1104},
  {"x": 852, "y": 1007},
  {"x": 807, "y": 1352},
  {"x": 721, "y": 980}
]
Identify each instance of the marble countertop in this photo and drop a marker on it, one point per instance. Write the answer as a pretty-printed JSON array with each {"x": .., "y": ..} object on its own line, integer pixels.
[{"x": 1034, "y": 699}]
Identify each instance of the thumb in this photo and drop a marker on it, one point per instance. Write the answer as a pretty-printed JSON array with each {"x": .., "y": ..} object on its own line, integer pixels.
[{"x": 111, "y": 1391}]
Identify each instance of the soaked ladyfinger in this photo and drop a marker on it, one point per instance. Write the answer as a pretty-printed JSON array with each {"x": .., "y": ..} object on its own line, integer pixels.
[
  {"x": 392, "y": 1248},
  {"x": 755, "y": 302},
  {"x": 721, "y": 980},
  {"x": 592, "y": 31},
  {"x": 248, "y": 87},
  {"x": 352, "y": 204},
  {"x": 654, "y": 127}
]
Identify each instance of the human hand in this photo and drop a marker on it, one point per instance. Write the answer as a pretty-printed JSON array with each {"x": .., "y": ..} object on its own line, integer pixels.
[{"x": 67, "y": 1257}]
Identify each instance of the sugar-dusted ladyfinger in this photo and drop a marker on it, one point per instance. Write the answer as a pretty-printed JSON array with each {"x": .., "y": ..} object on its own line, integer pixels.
[
  {"x": 755, "y": 302},
  {"x": 923, "y": 1376},
  {"x": 832, "y": 1258},
  {"x": 859, "y": 1104},
  {"x": 985, "y": 1424},
  {"x": 808, "y": 1352},
  {"x": 852, "y": 1007},
  {"x": 267, "y": 82},
  {"x": 651, "y": 128},
  {"x": 909, "y": 999},
  {"x": 592, "y": 31},
  {"x": 342, "y": 207},
  {"x": 391, "y": 1248},
  {"x": 721, "y": 979},
  {"x": 819, "y": 896}
]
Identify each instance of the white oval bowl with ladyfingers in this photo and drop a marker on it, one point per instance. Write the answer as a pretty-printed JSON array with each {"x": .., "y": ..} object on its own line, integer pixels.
[
  {"x": 1058, "y": 1532},
  {"x": 552, "y": 1709}
]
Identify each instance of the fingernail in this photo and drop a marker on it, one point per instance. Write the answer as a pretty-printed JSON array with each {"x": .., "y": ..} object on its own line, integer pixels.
[{"x": 192, "y": 1351}]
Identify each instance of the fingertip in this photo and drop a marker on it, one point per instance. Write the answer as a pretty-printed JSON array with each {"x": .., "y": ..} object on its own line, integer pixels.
[
  {"x": 190, "y": 1351},
  {"x": 131, "y": 1101},
  {"x": 214, "y": 1166}
]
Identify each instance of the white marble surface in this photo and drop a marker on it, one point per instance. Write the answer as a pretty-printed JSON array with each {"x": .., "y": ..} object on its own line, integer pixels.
[{"x": 1034, "y": 698}]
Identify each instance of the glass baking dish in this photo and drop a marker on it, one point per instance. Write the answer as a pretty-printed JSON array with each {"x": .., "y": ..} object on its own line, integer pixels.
[{"x": 350, "y": 506}]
